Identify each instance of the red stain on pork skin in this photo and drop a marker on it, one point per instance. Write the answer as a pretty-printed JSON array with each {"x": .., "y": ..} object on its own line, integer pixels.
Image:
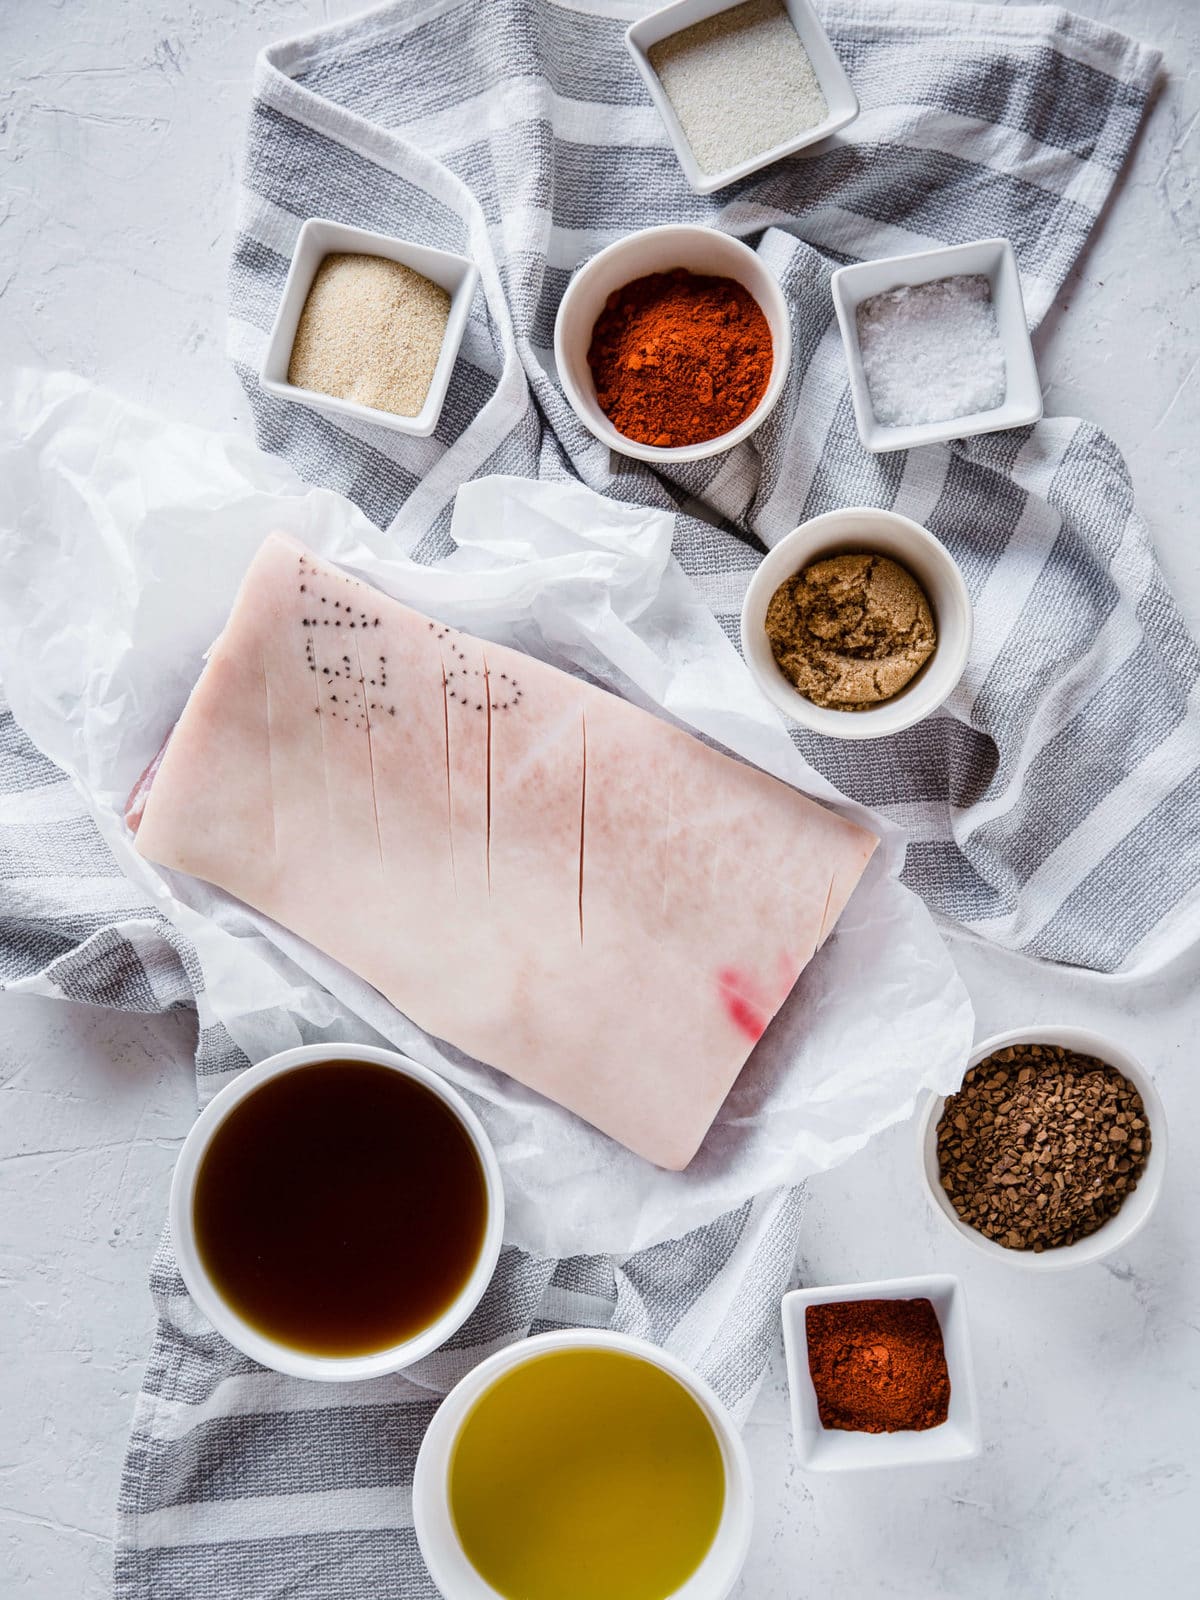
[{"x": 742, "y": 1000}]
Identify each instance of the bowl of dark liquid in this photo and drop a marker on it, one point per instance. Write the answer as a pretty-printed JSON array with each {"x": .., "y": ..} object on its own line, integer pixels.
[{"x": 337, "y": 1212}]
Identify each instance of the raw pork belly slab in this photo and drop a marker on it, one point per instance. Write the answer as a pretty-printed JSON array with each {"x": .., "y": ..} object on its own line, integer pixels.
[{"x": 551, "y": 879}]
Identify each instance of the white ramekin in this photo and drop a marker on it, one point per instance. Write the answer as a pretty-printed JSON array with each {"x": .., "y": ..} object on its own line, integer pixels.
[
  {"x": 701, "y": 250},
  {"x": 931, "y": 564},
  {"x": 1136, "y": 1209},
  {"x": 444, "y": 1556},
  {"x": 241, "y": 1334},
  {"x": 319, "y": 237},
  {"x": 840, "y": 99},
  {"x": 822, "y": 1449}
]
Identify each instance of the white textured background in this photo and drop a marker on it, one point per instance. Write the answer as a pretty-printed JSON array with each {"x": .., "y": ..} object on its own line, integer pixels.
[{"x": 121, "y": 123}]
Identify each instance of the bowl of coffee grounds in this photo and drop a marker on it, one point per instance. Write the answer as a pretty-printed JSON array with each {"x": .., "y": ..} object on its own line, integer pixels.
[
  {"x": 880, "y": 1374},
  {"x": 857, "y": 624},
  {"x": 1052, "y": 1152}
]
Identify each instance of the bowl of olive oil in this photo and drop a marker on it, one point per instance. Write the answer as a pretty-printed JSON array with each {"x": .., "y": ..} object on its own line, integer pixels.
[
  {"x": 337, "y": 1212},
  {"x": 583, "y": 1463}
]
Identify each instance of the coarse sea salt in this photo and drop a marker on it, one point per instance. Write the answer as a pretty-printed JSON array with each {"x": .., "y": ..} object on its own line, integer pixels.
[
  {"x": 933, "y": 351},
  {"x": 740, "y": 83}
]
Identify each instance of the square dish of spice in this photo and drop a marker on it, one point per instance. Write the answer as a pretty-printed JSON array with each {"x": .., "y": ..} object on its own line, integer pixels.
[
  {"x": 740, "y": 85},
  {"x": 369, "y": 327},
  {"x": 880, "y": 1374}
]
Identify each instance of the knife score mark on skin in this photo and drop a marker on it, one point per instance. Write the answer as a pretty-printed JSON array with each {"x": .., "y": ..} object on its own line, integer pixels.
[
  {"x": 449, "y": 793},
  {"x": 487, "y": 834},
  {"x": 262, "y": 665},
  {"x": 824, "y": 915},
  {"x": 362, "y": 689},
  {"x": 582, "y": 814}
]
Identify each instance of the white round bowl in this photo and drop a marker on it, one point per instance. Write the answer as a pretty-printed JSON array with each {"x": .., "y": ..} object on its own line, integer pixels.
[
  {"x": 854, "y": 529},
  {"x": 448, "y": 1564},
  {"x": 241, "y": 1334},
  {"x": 701, "y": 250},
  {"x": 1138, "y": 1205}
]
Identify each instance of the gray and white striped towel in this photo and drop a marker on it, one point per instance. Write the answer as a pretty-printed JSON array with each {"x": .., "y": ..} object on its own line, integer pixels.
[
  {"x": 1052, "y": 807},
  {"x": 1049, "y": 809}
]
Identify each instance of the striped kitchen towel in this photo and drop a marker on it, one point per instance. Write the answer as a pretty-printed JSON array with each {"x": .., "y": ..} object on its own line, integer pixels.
[{"x": 1051, "y": 807}]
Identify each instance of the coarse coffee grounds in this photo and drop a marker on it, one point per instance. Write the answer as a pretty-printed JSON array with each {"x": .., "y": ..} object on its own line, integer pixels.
[
  {"x": 1041, "y": 1146},
  {"x": 878, "y": 1366}
]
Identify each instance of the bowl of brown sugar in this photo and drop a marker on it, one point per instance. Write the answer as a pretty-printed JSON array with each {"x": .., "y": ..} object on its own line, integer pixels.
[
  {"x": 1052, "y": 1152},
  {"x": 857, "y": 624}
]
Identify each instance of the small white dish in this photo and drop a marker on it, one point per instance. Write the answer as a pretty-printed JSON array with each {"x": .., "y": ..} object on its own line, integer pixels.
[
  {"x": 840, "y": 98},
  {"x": 448, "y": 1564},
  {"x": 700, "y": 250},
  {"x": 994, "y": 260},
  {"x": 319, "y": 238},
  {"x": 241, "y": 1334},
  {"x": 837, "y": 1450},
  {"x": 1137, "y": 1206},
  {"x": 887, "y": 533}
]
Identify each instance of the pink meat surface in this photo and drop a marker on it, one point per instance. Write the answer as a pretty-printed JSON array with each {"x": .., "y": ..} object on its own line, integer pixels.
[{"x": 551, "y": 879}]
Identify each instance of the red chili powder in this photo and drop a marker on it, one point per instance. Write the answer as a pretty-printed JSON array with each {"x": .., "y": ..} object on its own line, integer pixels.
[
  {"x": 878, "y": 1366},
  {"x": 678, "y": 358}
]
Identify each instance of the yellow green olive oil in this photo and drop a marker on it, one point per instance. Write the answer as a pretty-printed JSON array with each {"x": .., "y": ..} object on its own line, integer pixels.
[
  {"x": 586, "y": 1475},
  {"x": 340, "y": 1208}
]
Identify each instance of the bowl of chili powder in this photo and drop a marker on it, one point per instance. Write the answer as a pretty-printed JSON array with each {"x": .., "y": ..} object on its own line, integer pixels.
[
  {"x": 880, "y": 1374},
  {"x": 673, "y": 344}
]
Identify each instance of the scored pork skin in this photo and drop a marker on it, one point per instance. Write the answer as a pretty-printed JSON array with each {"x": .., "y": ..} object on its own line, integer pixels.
[{"x": 551, "y": 879}]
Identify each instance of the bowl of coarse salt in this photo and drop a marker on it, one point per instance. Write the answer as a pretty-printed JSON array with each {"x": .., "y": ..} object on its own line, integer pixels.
[
  {"x": 739, "y": 86},
  {"x": 1056, "y": 1145},
  {"x": 937, "y": 345},
  {"x": 369, "y": 327}
]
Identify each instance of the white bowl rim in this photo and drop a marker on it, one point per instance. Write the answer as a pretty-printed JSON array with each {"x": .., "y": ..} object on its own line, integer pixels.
[
  {"x": 834, "y": 84},
  {"x": 892, "y": 716},
  {"x": 423, "y": 424},
  {"x": 1120, "y": 1228},
  {"x": 780, "y": 363},
  {"x": 429, "y": 1494},
  {"x": 242, "y": 1335}
]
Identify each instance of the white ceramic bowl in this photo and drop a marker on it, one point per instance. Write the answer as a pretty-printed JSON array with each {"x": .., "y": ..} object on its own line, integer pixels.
[
  {"x": 241, "y": 1334},
  {"x": 1136, "y": 1209},
  {"x": 319, "y": 238},
  {"x": 887, "y": 533},
  {"x": 444, "y": 1556},
  {"x": 840, "y": 98},
  {"x": 836, "y": 1450},
  {"x": 994, "y": 259},
  {"x": 701, "y": 250}
]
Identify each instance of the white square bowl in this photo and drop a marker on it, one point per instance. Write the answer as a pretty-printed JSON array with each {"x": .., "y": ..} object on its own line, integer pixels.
[
  {"x": 319, "y": 238},
  {"x": 835, "y": 1450},
  {"x": 994, "y": 259},
  {"x": 831, "y": 75}
]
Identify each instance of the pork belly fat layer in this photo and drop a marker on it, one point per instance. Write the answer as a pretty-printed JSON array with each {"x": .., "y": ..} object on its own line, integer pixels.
[{"x": 551, "y": 879}]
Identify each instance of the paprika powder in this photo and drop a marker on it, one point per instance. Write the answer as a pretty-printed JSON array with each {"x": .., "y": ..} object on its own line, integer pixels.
[
  {"x": 878, "y": 1366},
  {"x": 679, "y": 358}
]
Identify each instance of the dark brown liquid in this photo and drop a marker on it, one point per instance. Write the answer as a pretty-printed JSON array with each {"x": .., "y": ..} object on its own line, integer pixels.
[{"x": 340, "y": 1208}]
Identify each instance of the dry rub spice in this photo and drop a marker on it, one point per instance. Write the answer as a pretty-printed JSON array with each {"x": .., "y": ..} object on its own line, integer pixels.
[
  {"x": 851, "y": 631},
  {"x": 371, "y": 331},
  {"x": 878, "y": 1366},
  {"x": 678, "y": 357},
  {"x": 1041, "y": 1146}
]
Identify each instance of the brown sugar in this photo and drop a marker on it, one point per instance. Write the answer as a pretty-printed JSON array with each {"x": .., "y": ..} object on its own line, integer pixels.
[{"x": 851, "y": 631}]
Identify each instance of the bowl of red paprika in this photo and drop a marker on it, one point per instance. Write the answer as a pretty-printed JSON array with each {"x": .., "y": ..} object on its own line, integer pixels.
[{"x": 673, "y": 344}]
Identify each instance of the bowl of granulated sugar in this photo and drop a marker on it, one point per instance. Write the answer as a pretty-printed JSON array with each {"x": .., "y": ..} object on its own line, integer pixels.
[{"x": 937, "y": 345}]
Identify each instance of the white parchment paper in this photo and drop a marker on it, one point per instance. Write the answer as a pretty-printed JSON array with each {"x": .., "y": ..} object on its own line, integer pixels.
[{"x": 123, "y": 538}]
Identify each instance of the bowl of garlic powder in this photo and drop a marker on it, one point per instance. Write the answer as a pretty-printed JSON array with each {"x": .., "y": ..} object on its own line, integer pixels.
[{"x": 369, "y": 327}]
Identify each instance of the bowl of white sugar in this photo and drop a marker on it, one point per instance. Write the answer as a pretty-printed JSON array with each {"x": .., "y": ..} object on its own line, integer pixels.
[
  {"x": 937, "y": 345},
  {"x": 739, "y": 86}
]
